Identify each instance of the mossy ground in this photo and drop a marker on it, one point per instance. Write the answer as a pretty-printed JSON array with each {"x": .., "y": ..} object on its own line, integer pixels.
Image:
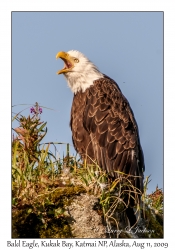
[{"x": 47, "y": 220}]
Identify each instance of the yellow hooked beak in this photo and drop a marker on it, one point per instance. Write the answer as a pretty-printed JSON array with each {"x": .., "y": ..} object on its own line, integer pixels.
[{"x": 68, "y": 62}]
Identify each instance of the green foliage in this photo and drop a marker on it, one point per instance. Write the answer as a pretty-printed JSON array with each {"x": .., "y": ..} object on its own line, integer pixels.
[
  {"x": 43, "y": 185},
  {"x": 155, "y": 200},
  {"x": 37, "y": 190}
]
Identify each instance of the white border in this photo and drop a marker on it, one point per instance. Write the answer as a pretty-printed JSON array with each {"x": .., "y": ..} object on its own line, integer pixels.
[{"x": 5, "y": 94}]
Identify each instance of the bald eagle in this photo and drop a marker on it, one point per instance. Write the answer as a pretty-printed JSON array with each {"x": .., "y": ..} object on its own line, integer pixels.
[{"x": 102, "y": 122}]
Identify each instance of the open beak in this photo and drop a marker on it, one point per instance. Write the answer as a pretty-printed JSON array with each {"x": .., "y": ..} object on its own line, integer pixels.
[{"x": 68, "y": 62}]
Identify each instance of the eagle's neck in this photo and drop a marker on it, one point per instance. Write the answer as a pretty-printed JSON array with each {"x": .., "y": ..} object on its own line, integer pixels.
[{"x": 82, "y": 81}]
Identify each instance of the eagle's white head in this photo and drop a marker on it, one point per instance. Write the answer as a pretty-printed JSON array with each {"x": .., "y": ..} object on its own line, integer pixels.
[{"x": 79, "y": 71}]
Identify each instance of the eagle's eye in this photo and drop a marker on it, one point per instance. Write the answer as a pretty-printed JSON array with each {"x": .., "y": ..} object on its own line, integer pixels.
[{"x": 76, "y": 60}]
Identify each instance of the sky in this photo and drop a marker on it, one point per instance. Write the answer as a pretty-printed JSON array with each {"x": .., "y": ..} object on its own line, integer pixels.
[{"x": 127, "y": 46}]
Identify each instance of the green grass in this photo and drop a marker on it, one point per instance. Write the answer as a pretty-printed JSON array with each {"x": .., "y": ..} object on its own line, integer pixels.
[{"x": 43, "y": 184}]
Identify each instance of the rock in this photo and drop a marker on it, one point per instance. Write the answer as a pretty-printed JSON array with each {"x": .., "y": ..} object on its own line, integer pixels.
[{"x": 84, "y": 221}]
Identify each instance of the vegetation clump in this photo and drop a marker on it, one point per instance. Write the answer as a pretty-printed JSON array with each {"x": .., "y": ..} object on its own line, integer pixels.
[
  {"x": 39, "y": 193},
  {"x": 47, "y": 191}
]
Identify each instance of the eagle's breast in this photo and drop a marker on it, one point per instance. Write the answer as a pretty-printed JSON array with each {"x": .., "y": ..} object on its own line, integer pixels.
[{"x": 80, "y": 136}]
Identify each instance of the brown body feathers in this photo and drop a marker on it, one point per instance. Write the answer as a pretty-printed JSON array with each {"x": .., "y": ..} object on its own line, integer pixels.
[{"x": 104, "y": 130}]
